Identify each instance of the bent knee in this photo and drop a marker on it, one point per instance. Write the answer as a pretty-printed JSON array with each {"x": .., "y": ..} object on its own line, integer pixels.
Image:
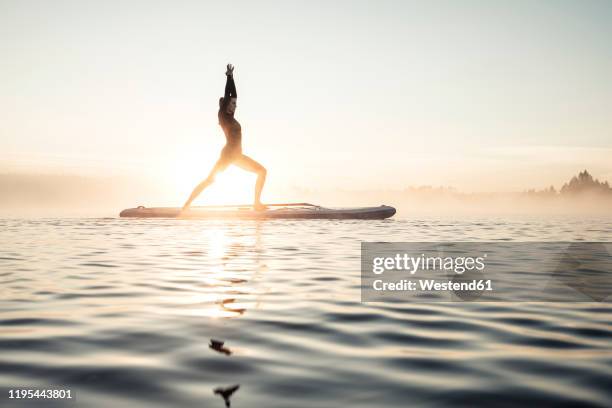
[{"x": 262, "y": 171}]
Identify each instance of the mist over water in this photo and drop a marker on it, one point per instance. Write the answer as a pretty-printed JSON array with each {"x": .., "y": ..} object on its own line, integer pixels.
[
  {"x": 70, "y": 195},
  {"x": 157, "y": 313}
]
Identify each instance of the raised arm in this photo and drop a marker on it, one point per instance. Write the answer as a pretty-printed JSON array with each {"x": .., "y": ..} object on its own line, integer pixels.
[
  {"x": 230, "y": 89},
  {"x": 230, "y": 86}
]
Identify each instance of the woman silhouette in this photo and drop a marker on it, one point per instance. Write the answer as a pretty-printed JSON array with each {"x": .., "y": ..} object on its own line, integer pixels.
[{"x": 232, "y": 152}]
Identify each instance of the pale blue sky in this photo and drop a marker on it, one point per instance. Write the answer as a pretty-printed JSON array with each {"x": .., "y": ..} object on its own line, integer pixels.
[{"x": 353, "y": 94}]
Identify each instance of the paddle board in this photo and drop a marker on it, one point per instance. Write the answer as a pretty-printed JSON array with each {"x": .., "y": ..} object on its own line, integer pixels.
[{"x": 274, "y": 211}]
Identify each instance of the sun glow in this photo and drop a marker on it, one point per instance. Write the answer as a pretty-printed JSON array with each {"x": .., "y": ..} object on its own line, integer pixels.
[{"x": 232, "y": 186}]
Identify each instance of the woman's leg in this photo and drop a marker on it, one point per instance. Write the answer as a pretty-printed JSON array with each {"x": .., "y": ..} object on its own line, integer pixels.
[
  {"x": 248, "y": 164},
  {"x": 219, "y": 166}
]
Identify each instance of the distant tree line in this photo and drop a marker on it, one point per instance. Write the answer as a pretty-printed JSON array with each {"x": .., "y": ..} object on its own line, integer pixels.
[{"x": 583, "y": 183}]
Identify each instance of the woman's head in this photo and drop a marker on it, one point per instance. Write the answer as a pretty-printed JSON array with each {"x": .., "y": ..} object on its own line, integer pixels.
[{"x": 230, "y": 106}]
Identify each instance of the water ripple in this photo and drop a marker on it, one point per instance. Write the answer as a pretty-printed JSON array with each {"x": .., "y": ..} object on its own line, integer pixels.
[{"x": 158, "y": 313}]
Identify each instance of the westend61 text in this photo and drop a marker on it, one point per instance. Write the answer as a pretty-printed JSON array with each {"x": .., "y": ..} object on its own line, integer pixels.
[{"x": 433, "y": 285}]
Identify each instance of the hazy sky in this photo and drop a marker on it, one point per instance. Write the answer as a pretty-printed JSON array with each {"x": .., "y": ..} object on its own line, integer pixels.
[{"x": 480, "y": 95}]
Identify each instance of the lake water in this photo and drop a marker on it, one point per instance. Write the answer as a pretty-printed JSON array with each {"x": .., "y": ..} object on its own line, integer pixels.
[{"x": 122, "y": 312}]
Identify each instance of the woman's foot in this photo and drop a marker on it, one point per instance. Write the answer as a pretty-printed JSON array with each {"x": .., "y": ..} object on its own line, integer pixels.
[{"x": 259, "y": 207}]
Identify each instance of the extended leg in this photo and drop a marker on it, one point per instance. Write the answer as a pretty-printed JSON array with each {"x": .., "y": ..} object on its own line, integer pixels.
[
  {"x": 248, "y": 164},
  {"x": 207, "y": 182}
]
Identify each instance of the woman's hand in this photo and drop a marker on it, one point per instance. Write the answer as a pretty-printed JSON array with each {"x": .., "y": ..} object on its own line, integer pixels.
[{"x": 230, "y": 70}]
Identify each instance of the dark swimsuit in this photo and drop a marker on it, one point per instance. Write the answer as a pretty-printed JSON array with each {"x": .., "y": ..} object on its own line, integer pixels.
[{"x": 230, "y": 126}]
